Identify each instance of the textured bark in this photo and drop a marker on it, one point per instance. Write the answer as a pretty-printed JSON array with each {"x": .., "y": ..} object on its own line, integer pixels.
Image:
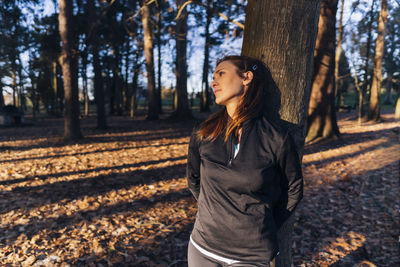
[
  {"x": 68, "y": 62},
  {"x": 205, "y": 95},
  {"x": 321, "y": 121},
  {"x": 282, "y": 34},
  {"x": 152, "y": 112},
  {"x": 182, "y": 109},
  {"x": 374, "y": 108}
]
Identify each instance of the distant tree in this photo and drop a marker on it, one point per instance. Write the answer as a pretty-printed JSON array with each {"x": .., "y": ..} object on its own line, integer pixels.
[
  {"x": 282, "y": 34},
  {"x": 68, "y": 61},
  {"x": 182, "y": 108},
  {"x": 152, "y": 112},
  {"x": 391, "y": 64},
  {"x": 374, "y": 107},
  {"x": 321, "y": 121},
  {"x": 93, "y": 40},
  {"x": 338, "y": 54}
]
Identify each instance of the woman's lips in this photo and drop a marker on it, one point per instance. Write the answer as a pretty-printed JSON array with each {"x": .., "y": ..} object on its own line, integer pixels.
[{"x": 217, "y": 90}]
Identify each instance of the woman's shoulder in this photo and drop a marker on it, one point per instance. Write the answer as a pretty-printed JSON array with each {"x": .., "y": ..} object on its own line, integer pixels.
[{"x": 274, "y": 129}]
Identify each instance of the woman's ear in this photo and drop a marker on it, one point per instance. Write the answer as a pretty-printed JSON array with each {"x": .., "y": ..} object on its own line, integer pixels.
[{"x": 248, "y": 77}]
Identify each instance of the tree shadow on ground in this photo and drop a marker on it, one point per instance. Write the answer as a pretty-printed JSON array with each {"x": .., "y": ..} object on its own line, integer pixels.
[
  {"x": 94, "y": 186},
  {"x": 61, "y": 174}
]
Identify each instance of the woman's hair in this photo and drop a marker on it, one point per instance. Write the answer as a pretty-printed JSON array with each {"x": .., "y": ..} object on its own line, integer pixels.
[{"x": 250, "y": 104}]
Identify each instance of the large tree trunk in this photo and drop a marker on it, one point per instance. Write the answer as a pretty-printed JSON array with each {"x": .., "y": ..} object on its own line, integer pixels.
[
  {"x": 152, "y": 112},
  {"x": 374, "y": 109},
  {"x": 282, "y": 34},
  {"x": 68, "y": 61},
  {"x": 182, "y": 109},
  {"x": 205, "y": 95},
  {"x": 321, "y": 121}
]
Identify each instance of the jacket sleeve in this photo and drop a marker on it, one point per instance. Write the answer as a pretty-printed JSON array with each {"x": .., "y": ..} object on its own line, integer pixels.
[
  {"x": 291, "y": 181},
  {"x": 193, "y": 166}
]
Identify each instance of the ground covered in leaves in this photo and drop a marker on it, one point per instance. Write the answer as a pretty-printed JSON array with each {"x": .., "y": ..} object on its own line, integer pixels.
[{"x": 119, "y": 197}]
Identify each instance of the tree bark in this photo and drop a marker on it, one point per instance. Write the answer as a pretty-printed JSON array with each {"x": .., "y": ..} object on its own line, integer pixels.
[
  {"x": 374, "y": 107},
  {"x": 158, "y": 36},
  {"x": 68, "y": 61},
  {"x": 98, "y": 79},
  {"x": 282, "y": 34},
  {"x": 364, "y": 87},
  {"x": 321, "y": 121},
  {"x": 152, "y": 112},
  {"x": 182, "y": 110},
  {"x": 205, "y": 95},
  {"x": 337, "y": 56}
]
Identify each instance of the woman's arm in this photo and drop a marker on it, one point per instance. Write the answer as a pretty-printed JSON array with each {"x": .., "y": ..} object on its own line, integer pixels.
[
  {"x": 291, "y": 181},
  {"x": 193, "y": 166}
]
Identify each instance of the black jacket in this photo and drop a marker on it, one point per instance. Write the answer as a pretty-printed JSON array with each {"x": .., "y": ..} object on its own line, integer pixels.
[{"x": 242, "y": 201}]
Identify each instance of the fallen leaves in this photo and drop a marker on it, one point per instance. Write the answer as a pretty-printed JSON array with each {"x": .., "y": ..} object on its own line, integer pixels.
[{"x": 120, "y": 197}]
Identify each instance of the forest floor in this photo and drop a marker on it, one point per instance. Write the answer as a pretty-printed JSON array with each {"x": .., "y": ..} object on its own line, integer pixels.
[{"x": 119, "y": 197}]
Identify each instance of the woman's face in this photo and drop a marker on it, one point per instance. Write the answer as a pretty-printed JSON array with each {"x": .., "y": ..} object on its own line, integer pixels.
[{"x": 227, "y": 84}]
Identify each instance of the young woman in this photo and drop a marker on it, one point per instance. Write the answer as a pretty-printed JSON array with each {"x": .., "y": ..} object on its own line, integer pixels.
[{"x": 243, "y": 170}]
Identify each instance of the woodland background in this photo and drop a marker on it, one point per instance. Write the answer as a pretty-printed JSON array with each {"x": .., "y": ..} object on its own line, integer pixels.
[{"x": 110, "y": 91}]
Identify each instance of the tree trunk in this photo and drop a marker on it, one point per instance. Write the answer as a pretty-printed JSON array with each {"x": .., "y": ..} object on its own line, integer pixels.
[
  {"x": 14, "y": 86},
  {"x": 182, "y": 110},
  {"x": 54, "y": 84},
  {"x": 321, "y": 121},
  {"x": 282, "y": 34},
  {"x": 85, "y": 83},
  {"x": 158, "y": 36},
  {"x": 388, "y": 90},
  {"x": 98, "y": 79},
  {"x": 1, "y": 95},
  {"x": 397, "y": 110},
  {"x": 152, "y": 112},
  {"x": 205, "y": 96},
  {"x": 68, "y": 63},
  {"x": 374, "y": 108},
  {"x": 365, "y": 85},
  {"x": 338, "y": 88},
  {"x": 134, "y": 89}
]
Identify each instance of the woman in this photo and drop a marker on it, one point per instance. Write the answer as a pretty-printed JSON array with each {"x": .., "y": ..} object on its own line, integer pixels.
[{"x": 243, "y": 170}]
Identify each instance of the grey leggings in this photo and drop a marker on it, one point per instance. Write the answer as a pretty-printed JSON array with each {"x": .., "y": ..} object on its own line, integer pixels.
[{"x": 198, "y": 259}]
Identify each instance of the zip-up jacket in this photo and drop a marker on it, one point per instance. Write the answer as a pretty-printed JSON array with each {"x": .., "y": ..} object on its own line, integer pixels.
[{"x": 243, "y": 200}]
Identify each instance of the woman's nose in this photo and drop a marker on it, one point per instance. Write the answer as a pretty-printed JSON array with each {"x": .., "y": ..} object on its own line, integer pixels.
[{"x": 213, "y": 83}]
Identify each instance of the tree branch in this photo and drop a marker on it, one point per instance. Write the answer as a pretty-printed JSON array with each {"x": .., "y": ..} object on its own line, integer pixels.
[{"x": 225, "y": 17}]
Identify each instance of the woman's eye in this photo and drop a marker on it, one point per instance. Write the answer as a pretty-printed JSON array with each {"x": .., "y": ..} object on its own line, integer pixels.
[{"x": 220, "y": 73}]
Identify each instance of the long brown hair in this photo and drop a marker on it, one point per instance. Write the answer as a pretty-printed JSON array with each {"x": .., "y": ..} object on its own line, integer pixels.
[{"x": 250, "y": 104}]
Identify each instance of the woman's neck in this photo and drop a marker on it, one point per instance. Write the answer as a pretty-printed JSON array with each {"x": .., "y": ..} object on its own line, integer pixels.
[{"x": 231, "y": 109}]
